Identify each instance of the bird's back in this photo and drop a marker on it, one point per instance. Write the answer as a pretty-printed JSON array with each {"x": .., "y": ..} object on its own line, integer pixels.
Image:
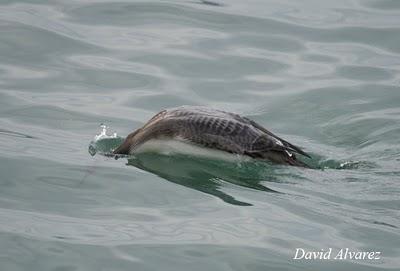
[{"x": 216, "y": 129}]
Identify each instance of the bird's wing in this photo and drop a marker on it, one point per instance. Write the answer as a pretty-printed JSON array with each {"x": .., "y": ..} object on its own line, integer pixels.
[
  {"x": 220, "y": 133},
  {"x": 287, "y": 145}
]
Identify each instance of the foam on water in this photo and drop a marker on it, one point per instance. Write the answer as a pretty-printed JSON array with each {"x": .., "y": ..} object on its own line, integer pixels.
[
  {"x": 103, "y": 133},
  {"x": 104, "y": 142}
]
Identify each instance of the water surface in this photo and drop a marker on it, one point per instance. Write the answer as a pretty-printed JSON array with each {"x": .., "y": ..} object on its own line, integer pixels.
[{"x": 323, "y": 75}]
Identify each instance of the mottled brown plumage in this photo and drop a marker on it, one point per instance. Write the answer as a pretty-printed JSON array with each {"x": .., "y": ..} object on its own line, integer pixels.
[{"x": 214, "y": 129}]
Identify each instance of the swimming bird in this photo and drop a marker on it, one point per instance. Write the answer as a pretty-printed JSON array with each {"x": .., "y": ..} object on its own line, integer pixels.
[{"x": 211, "y": 130}]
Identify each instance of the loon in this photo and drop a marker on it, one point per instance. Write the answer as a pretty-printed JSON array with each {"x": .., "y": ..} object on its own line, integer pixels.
[{"x": 211, "y": 130}]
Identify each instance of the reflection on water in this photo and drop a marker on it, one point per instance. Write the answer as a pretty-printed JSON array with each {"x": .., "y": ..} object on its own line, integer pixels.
[
  {"x": 210, "y": 175},
  {"x": 204, "y": 175}
]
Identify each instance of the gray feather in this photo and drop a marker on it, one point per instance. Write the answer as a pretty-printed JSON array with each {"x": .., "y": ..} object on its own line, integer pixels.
[{"x": 214, "y": 129}]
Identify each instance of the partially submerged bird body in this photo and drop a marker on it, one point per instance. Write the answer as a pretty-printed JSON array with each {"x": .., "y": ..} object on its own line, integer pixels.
[{"x": 212, "y": 130}]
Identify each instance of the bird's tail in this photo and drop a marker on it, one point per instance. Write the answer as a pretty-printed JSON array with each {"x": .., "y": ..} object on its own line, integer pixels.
[
  {"x": 279, "y": 157},
  {"x": 293, "y": 161}
]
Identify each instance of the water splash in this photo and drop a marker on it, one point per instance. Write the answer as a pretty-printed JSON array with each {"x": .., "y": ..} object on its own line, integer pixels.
[
  {"x": 341, "y": 165},
  {"x": 320, "y": 162},
  {"x": 104, "y": 142},
  {"x": 103, "y": 134}
]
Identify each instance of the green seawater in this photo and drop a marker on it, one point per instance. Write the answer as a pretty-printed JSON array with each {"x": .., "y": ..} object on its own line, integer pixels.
[{"x": 324, "y": 75}]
